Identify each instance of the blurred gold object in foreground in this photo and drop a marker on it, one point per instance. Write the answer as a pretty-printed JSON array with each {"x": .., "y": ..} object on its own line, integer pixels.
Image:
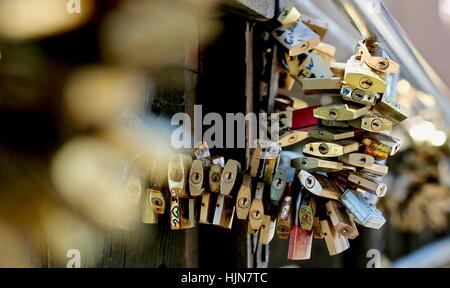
[{"x": 25, "y": 19}]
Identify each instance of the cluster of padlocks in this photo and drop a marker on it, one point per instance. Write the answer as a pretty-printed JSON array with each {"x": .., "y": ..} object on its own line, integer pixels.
[{"x": 324, "y": 193}]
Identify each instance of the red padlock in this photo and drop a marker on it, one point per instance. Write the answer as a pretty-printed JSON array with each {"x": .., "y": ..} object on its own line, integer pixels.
[{"x": 304, "y": 118}]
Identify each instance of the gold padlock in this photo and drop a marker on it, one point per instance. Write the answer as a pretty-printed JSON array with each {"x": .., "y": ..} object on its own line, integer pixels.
[
  {"x": 224, "y": 213},
  {"x": 312, "y": 164},
  {"x": 329, "y": 149},
  {"x": 338, "y": 69},
  {"x": 332, "y": 135},
  {"x": 244, "y": 198},
  {"x": 327, "y": 51},
  {"x": 359, "y": 75},
  {"x": 359, "y": 96},
  {"x": 207, "y": 209},
  {"x": 215, "y": 174},
  {"x": 148, "y": 214},
  {"x": 341, "y": 221},
  {"x": 231, "y": 178},
  {"x": 377, "y": 62},
  {"x": 357, "y": 159},
  {"x": 368, "y": 184},
  {"x": 317, "y": 229},
  {"x": 391, "y": 110},
  {"x": 267, "y": 230},
  {"x": 373, "y": 123},
  {"x": 257, "y": 208},
  {"x": 179, "y": 167},
  {"x": 322, "y": 85},
  {"x": 297, "y": 38},
  {"x": 284, "y": 220},
  {"x": 336, "y": 243},
  {"x": 340, "y": 112},
  {"x": 375, "y": 170},
  {"x": 288, "y": 15},
  {"x": 307, "y": 212},
  {"x": 335, "y": 124},
  {"x": 198, "y": 177}
]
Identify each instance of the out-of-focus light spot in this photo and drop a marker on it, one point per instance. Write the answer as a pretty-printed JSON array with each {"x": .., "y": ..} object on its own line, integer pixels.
[
  {"x": 403, "y": 86},
  {"x": 422, "y": 130},
  {"x": 87, "y": 173},
  {"x": 438, "y": 138},
  {"x": 426, "y": 99},
  {"x": 97, "y": 95},
  {"x": 444, "y": 11},
  {"x": 25, "y": 19}
]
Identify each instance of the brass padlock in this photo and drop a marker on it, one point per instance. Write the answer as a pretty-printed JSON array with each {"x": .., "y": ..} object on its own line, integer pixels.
[
  {"x": 176, "y": 219},
  {"x": 391, "y": 110},
  {"x": 267, "y": 230},
  {"x": 327, "y": 51},
  {"x": 224, "y": 213},
  {"x": 278, "y": 186},
  {"x": 341, "y": 221},
  {"x": 357, "y": 159},
  {"x": 312, "y": 164},
  {"x": 336, "y": 243},
  {"x": 231, "y": 178},
  {"x": 307, "y": 212},
  {"x": 319, "y": 185},
  {"x": 244, "y": 198},
  {"x": 288, "y": 15},
  {"x": 290, "y": 137},
  {"x": 322, "y": 85},
  {"x": 300, "y": 241},
  {"x": 198, "y": 177},
  {"x": 179, "y": 166},
  {"x": 335, "y": 124},
  {"x": 319, "y": 26},
  {"x": 365, "y": 213},
  {"x": 359, "y": 75},
  {"x": 255, "y": 161},
  {"x": 284, "y": 220},
  {"x": 359, "y": 96},
  {"x": 338, "y": 69},
  {"x": 148, "y": 214},
  {"x": 340, "y": 112},
  {"x": 286, "y": 81},
  {"x": 207, "y": 209},
  {"x": 317, "y": 229},
  {"x": 373, "y": 123},
  {"x": 329, "y": 149},
  {"x": 297, "y": 38},
  {"x": 257, "y": 208},
  {"x": 215, "y": 174},
  {"x": 368, "y": 184},
  {"x": 380, "y": 146},
  {"x": 332, "y": 135},
  {"x": 377, "y": 62}
]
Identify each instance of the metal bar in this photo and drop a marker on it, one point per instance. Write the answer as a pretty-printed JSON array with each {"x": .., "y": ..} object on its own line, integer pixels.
[{"x": 373, "y": 20}]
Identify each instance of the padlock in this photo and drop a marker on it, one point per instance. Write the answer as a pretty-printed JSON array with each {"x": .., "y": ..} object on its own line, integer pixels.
[
  {"x": 341, "y": 221},
  {"x": 377, "y": 62},
  {"x": 257, "y": 208},
  {"x": 179, "y": 167},
  {"x": 288, "y": 15},
  {"x": 309, "y": 65},
  {"x": 215, "y": 174},
  {"x": 231, "y": 178},
  {"x": 322, "y": 85},
  {"x": 319, "y": 185},
  {"x": 286, "y": 81},
  {"x": 334, "y": 124},
  {"x": 284, "y": 220},
  {"x": 291, "y": 137},
  {"x": 331, "y": 135},
  {"x": 307, "y": 212},
  {"x": 278, "y": 186},
  {"x": 304, "y": 118},
  {"x": 380, "y": 146},
  {"x": 297, "y": 38},
  {"x": 340, "y": 112},
  {"x": 182, "y": 213},
  {"x": 372, "y": 122},
  {"x": 367, "y": 184},
  {"x": 359, "y": 75},
  {"x": 300, "y": 241},
  {"x": 148, "y": 214},
  {"x": 336, "y": 243},
  {"x": 327, "y": 51},
  {"x": 338, "y": 69},
  {"x": 201, "y": 151},
  {"x": 224, "y": 213},
  {"x": 375, "y": 170},
  {"x": 359, "y": 96},
  {"x": 267, "y": 230},
  {"x": 365, "y": 213},
  {"x": 244, "y": 198},
  {"x": 357, "y": 159},
  {"x": 176, "y": 219},
  {"x": 255, "y": 161},
  {"x": 207, "y": 208},
  {"x": 331, "y": 149},
  {"x": 317, "y": 229},
  {"x": 319, "y": 26},
  {"x": 312, "y": 164},
  {"x": 198, "y": 177},
  {"x": 391, "y": 110}
]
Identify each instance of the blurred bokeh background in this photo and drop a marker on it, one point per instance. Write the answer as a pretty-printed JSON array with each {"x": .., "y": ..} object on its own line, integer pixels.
[{"x": 83, "y": 113}]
